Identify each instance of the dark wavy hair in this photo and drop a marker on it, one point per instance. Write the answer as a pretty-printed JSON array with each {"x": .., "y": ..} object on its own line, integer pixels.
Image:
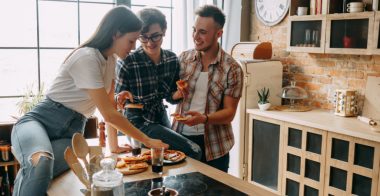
[
  {"x": 151, "y": 16},
  {"x": 119, "y": 19},
  {"x": 214, "y": 12}
]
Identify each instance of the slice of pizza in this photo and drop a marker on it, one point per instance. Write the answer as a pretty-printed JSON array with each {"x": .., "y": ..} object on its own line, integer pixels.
[
  {"x": 181, "y": 84},
  {"x": 179, "y": 117},
  {"x": 137, "y": 166},
  {"x": 120, "y": 163},
  {"x": 133, "y": 159}
]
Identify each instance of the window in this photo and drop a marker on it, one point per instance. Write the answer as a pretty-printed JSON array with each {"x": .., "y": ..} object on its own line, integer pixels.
[{"x": 36, "y": 42}]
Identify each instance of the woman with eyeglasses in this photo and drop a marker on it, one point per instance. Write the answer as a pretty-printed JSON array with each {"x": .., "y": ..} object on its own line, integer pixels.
[{"x": 146, "y": 78}]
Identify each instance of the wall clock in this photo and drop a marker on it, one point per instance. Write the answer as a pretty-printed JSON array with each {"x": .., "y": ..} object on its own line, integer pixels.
[{"x": 271, "y": 12}]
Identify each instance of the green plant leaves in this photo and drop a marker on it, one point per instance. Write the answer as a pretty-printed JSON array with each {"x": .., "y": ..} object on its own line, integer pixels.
[{"x": 263, "y": 95}]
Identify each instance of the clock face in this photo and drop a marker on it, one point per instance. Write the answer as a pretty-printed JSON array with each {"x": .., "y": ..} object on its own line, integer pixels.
[{"x": 271, "y": 12}]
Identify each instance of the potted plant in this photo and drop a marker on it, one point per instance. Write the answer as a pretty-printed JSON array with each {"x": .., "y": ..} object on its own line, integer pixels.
[
  {"x": 263, "y": 102},
  {"x": 29, "y": 100}
]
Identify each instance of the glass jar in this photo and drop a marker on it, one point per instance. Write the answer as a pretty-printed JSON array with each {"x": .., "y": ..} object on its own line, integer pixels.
[{"x": 107, "y": 181}]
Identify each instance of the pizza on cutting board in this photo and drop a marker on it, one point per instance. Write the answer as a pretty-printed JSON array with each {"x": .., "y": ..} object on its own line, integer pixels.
[{"x": 131, "y": 165}]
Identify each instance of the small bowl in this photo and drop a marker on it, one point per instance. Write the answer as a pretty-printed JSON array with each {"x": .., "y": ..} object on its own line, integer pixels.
[{"x": 157, "y": 192}]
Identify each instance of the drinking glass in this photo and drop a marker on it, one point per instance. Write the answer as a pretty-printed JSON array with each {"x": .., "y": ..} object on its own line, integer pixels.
[
  {"x": 315, "y": 38},
  {"x": 136, "y": 147},
  {"x": 307, "y": 36},
  {"x": 157, "y": 160},
  {"x": 156, "y": 183}
]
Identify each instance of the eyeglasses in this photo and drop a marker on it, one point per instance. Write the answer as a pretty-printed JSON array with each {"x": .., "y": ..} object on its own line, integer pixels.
[{"x": 153, "y": 38}]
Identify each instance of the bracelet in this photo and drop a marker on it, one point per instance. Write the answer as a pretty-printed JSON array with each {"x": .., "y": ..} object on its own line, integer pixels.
[{"x": 206, "y": 119}]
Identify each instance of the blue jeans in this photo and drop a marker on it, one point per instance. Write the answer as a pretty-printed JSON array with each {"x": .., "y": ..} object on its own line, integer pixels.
[
  {"x": 48, "y": 128},
  {"x": 221, "y": 163},
  {"x": 161, "y": 130}
]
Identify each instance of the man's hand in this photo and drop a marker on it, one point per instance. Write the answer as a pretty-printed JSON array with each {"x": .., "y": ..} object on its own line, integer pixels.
[
  {"x": 195, "y": 119},
  {"x": 182, "y": 88},
  {"x": 122, "y": 97}
]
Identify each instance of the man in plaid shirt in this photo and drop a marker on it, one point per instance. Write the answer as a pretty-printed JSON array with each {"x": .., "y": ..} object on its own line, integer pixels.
[
  {"x": 215, "y": 86},
  {"x": 148, "y": 76}
]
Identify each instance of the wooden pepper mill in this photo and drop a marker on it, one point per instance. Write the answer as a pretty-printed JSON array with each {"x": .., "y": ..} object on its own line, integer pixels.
[{"x": 102, "y": 134}]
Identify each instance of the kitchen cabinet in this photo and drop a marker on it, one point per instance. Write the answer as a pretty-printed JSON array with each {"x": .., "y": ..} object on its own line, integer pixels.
[
  {"x": 352, "y": 166},
  {"x": 306, "y": 34},
  {"x": 314, "y": 153},
  {"x": 376, "y": 34},
  {"x": 264, "y": 150},
  {"x": 350, "y": 33},
  {"x": 335, "y": 31},
  {"x": 304, "y": 160}
]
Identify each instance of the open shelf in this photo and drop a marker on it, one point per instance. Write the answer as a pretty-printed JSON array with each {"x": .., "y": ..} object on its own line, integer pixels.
[{"x": 8, "y": 163}]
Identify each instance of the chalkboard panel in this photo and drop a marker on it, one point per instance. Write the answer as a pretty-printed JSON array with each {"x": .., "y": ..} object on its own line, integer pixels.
[
  {"x": 313, "y": 142},
  {"x": 265, "y": 147},
  {"x": 293, "y": 164},
  {"x": 338, "y": 178},
  {"x": 361, "y": 185},
  {"x": 309, "y": 191},
  {"x": 312, "y": 170},
  {"x": 292, "y": 188},
  {"x": 339, "y": 149},
  {"x": 295, "y": 138},
  {"x": 364, "y": 155}
]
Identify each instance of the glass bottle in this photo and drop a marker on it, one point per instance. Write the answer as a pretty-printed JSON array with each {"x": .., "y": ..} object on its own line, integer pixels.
[
  {"x": 107, "y": 181},
  {"x": 6, "y": 188}
]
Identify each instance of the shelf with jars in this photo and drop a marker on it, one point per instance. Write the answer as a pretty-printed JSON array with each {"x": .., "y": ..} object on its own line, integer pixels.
[{"x": 334, "y": 27}]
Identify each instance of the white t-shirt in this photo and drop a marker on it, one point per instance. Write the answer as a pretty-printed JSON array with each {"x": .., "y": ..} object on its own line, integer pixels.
[
  {"x": 86, "y": 68},
  {"x": 198, "y": 104}
]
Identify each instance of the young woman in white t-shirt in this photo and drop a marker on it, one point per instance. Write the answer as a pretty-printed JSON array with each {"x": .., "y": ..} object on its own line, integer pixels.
[{"x": 84, "y": 83}]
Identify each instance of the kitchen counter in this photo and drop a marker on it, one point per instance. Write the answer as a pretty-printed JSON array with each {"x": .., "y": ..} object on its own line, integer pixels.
[
  {"x": 69, "y": 184},
  {"x": 324, "y": 120}
]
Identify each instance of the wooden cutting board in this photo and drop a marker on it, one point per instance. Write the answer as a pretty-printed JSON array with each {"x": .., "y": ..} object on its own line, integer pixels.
[{"x": 371, "y": 107}]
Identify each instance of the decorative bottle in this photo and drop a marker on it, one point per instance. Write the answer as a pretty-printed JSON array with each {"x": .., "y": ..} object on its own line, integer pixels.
[
  {"x": 6, "y": 187},
  {"x": 107, "y": 181}
]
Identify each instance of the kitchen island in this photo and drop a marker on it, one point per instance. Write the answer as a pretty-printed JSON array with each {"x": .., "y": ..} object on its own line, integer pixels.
[{"x": 69, "y": 184}]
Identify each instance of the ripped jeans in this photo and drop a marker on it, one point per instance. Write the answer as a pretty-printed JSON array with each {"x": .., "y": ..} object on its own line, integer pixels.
[
  {"x": 160, "y": 130},
  {"x": 48, "y": 128}
]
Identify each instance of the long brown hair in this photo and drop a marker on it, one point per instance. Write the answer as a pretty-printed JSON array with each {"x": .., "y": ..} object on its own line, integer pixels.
[{"x": 119, "y": 19}]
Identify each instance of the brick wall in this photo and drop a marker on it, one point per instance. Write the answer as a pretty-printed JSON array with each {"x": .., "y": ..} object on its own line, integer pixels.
[{"x": 319, "y": 74}]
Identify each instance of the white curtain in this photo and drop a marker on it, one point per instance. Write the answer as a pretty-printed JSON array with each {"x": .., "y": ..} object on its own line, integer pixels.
[
  {"x": 231, "y": 34},
  {"x": 183, "y": 22}
]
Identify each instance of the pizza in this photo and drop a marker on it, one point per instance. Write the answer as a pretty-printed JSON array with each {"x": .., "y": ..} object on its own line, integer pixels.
[
  {"x": 179, "y": 117},
  {"x": 181, "y": 84},
  {"x": 170, "y": 156},
  {"x": 131, "y": 165},
  {"x": 131, "y": 160}
]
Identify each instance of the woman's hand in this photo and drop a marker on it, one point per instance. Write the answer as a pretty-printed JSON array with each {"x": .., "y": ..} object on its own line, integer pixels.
[
  {"x": 118, "y": 149},
  {"x": 122, "y": 97},
  {"x": 154, "y": 143}
]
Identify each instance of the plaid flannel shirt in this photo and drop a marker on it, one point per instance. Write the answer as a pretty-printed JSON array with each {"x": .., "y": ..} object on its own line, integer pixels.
[
  {"x": 225, "y": 78},
  {"x": 149, "y": 83}
]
